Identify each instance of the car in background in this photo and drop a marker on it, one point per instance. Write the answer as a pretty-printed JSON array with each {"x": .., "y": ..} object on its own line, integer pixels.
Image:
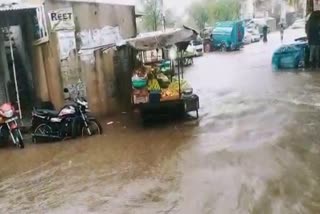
[
  {"x": 247, "y": 39},
  {"x": 196, "y": 47},
  {"x": 259, "y": 23},
  {"x": 255, "y": 35},
  {"x": 299, "y": 24},
  {"x": 251, "y": 36}
]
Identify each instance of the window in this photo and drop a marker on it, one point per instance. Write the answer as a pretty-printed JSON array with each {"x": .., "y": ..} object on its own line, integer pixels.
[{"x": 40, "y": 31}]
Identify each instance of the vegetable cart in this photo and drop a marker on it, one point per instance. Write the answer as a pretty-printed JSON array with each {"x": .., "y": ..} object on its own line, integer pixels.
[{"x": 158, "y": 87}]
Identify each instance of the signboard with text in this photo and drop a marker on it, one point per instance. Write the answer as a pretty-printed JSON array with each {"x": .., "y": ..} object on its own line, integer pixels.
[
  {"x": 61, "y": 19},
  {"x": 67, "y": 43},
  {"x": 95, "y": 38}
]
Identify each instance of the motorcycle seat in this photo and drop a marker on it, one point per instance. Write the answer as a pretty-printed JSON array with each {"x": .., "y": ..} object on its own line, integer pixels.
[{"x": 47, "y": 112}]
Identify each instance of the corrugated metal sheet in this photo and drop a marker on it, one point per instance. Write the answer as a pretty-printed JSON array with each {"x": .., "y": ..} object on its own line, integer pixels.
[{"x": 17, "y": 6}]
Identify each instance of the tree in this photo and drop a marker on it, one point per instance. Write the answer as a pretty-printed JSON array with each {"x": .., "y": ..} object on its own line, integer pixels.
[
  {"x": 152, "y": 14},
  {"x": 199, "y": 14},
  {"x": 224, "y": 10},
  {"x": 210, "y": 11}
]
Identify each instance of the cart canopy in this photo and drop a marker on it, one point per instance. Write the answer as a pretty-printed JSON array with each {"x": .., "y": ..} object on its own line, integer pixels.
[{"x": 154, "y": 40}]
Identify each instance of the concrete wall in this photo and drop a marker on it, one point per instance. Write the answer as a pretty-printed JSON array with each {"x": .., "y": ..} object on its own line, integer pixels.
[
  {"x": 94, "y": 75},
  {"x": 93, "y": 15},
  {"x": 45, "y": 63}
]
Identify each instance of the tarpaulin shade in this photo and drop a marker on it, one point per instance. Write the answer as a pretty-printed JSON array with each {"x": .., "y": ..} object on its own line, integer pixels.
[{"x": 154, "y": 40}]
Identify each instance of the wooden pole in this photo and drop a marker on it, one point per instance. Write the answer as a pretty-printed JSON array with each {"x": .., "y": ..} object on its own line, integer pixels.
[{"x": 14, "y": 73}]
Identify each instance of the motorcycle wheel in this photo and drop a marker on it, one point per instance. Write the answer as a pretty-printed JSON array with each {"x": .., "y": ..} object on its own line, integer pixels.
[
  {"x": 94, "y": 126},
  {"x": 41, "y": 129},
  {"x": 18, "y": 138}
]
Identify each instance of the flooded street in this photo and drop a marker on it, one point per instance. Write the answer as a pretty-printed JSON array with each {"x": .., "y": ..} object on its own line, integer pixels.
[{"x": 255, "y": 149}]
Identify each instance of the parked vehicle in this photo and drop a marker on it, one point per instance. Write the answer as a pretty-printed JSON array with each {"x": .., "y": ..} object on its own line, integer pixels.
[
  {"x": 299, "y": 24},
  {"x": 70, "y": 122},
  {"x": 291, "y": 56},
  {"x": 206, "y": 35},
  {"x": 248, "y": 38},
  {"x": 255, "y": 35},
  {"x": 9, "y": 128},
  {"x": 196, "y": 47},
  {"x": 226, "y": 36}
]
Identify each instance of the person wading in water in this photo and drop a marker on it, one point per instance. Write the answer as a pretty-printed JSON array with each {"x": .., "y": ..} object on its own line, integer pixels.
[
  {"x": 265, "y": 33},
  {"x": 281, "y": 31},
  {"x": 313, "y": 34}
]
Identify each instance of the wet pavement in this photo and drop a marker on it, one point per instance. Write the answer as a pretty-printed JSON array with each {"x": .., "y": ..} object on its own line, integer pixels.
[{"x": 255, "y": 149}]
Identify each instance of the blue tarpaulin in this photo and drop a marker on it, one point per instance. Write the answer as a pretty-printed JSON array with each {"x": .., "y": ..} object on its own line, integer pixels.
[{"x": 289, "y": 56}]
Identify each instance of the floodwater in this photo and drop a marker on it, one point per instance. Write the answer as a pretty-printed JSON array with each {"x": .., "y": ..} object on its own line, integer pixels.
[{"x": 255, "y": 149}]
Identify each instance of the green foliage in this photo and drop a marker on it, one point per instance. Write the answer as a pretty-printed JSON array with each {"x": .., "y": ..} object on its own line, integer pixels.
[
  {"x": 211, "y": 11},
  {"x": 224, "y": 10},
  {"x": 152, "y": 14},
  {"x": 152, "y": 18},
  {"x": 199, "y": 14}
]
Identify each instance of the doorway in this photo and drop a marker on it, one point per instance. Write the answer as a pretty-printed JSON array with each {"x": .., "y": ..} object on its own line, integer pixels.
[{"x": 18, "y": 30}]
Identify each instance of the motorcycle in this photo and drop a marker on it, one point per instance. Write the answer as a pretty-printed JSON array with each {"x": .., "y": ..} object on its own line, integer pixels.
[
  {"x": 70, "y": 122},
  {"x": 9, "y": 126}
]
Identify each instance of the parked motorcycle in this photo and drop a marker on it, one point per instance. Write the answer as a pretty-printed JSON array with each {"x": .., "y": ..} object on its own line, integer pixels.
[
  {"x": 9, "y": 128},
  {"x": 70, "y": 122}
]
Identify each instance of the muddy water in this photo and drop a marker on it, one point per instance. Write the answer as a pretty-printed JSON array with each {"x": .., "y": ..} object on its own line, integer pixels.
[{"x": 255, "y": 149}]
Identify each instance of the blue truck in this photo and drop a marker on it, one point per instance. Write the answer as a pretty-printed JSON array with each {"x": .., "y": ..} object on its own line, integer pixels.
[{"x": 226, "y": 36}]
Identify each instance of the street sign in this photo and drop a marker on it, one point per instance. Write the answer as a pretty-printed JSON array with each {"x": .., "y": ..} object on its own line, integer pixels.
[{"x": 61, "y": 19}]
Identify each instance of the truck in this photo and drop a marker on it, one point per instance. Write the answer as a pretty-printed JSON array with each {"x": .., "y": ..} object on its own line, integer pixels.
[{"x": 225, "y": 36}]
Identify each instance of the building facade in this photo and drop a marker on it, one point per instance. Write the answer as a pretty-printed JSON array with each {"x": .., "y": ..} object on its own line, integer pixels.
[{"x": 57, "y": 47}]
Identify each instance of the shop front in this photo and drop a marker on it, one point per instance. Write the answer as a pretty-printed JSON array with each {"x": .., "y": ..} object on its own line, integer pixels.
[
  {"x": 22, "y": 26},
  {"x": 158, "y": 87}
]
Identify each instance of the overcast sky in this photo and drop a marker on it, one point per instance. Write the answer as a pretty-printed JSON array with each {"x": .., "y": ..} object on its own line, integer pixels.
[{"x": 177, "y": 5}]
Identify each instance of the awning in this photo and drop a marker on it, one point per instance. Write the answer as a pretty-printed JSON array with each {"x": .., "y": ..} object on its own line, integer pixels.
[
  {"x": 154, "y": 40},
  {"x": 17, "y": 6}
]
